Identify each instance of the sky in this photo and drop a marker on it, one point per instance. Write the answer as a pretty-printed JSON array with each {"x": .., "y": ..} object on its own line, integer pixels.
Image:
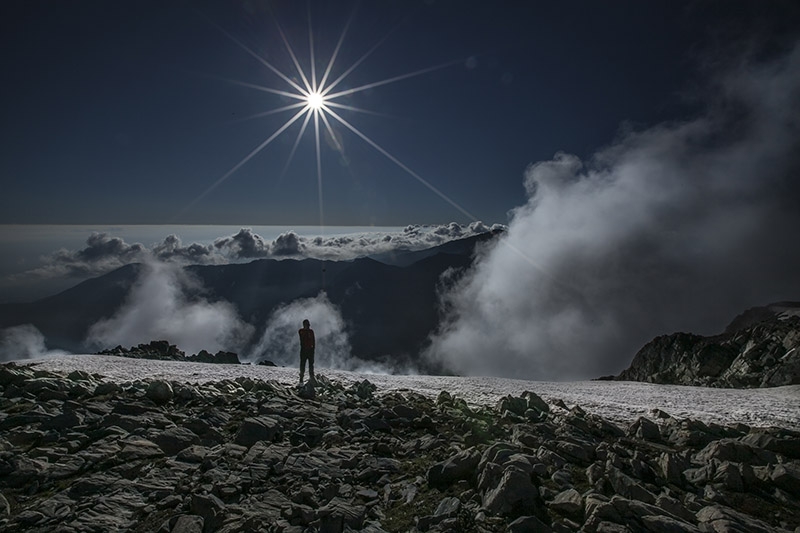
[
  {"x": 129, "y": 112},
  {"x": 643, "y": 157}
]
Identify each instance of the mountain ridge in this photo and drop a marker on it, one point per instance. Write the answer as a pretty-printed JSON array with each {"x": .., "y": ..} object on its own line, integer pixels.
[{"x": 759, "y": 348}]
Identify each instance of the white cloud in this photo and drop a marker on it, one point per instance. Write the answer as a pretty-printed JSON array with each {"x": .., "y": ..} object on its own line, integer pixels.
[
  {"x": 158, "y": 308},
  {"x": 23, "y": 342},
  {"x": 681, "y": 226}
]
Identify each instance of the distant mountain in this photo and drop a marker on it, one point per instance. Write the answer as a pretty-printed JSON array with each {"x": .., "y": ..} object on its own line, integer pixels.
[
  {"x": 389, "y": 309},
  {"x": 760, "y": 348}
]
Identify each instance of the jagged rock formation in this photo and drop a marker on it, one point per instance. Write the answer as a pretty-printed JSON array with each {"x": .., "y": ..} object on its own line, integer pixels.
[
  {"x": 79, "y": 453},
  {"x": 164, "y": 351},
  {"x": 760, "y": 348}
]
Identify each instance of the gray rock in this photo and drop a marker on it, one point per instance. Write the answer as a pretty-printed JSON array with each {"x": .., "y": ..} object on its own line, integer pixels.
[
  {"x": 173, "y": 440},
  {"x": 160, "y": 392},
  {"x": 568, "y": 503},
  {"x": 5, "y": 507},
  {"x": 460, "y": 466},
  {"x": 210, "y": 508},
  {"x": 528, "y": 524},
  {"x": 787, "y": 477},
  {"x": 255, "y": 429},
  {"x": 645, "y": 429},
  {"x": 514, "y": 495},
  {"x": 720, "y": 519},
  {"x": 339, "y": 513}
]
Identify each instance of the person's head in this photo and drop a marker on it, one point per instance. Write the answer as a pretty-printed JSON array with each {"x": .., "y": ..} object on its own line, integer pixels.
[{"x": 306, "y": 323}]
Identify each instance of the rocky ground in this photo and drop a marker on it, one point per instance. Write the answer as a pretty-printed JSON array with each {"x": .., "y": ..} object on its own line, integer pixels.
[{"x": 81, "y": 453}]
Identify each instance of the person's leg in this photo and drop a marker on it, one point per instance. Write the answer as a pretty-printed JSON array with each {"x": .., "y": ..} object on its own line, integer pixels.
[
  {"x": 311, "y": 366},
  {"x": 302, "y": 365}
]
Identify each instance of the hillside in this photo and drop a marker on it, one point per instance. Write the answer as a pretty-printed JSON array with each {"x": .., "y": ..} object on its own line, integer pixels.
[{"x": 760, "y": 348}]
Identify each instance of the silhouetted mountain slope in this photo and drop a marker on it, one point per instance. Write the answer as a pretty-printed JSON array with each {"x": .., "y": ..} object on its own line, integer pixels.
[
  {"x": 760, "y": 348},
  {"x": 65, "y": 318},
  {"x": 389, "y": 310}
]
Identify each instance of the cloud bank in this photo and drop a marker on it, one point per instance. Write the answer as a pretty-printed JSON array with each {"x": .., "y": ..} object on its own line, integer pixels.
[
  {"x": 678, "y": 227},
  {"x": 104, "y": 253}
]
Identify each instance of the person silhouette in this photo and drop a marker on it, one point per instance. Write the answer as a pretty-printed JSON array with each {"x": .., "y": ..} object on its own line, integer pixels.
[{"x": 307, "y": 345}]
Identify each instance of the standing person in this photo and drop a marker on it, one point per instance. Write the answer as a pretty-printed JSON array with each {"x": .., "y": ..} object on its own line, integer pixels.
[{"x": 307, "y": 345}]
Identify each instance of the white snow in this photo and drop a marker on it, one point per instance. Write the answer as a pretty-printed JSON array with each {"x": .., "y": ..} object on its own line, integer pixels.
[{"x": 620, "y": 401}]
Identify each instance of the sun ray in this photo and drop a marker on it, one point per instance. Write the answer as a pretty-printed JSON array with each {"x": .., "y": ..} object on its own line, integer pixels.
[
  {"x": 360, "y": 60},
  {"x": 355, "y": 109},
  {"x": 336, "y": 49},
  {"x": 247, "y": 158},
  {"x": 289, "y": 48},
  {"x": 265, "y": 89},
  {"x": 294, "y": 147},
  {"x": 311, "y": 49},
  {"x": 337, "y": 145},
  {"x": 317, "y": 99},
  {"x": 319, "y": 170},
  {"x": 260, "y": 59},
  {"x": 267, "y": 113},
  {"x": 397, "y": 162},
  {"x": 326, "y": 92}
]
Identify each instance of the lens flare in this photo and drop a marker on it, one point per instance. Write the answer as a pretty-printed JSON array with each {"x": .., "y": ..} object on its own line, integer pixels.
[
  {"x": 318, "y": 100},
  {"x": 315, "y": 100}
]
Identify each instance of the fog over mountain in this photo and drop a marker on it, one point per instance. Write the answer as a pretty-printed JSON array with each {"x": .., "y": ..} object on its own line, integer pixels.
[{"x": 676, "y": 227}]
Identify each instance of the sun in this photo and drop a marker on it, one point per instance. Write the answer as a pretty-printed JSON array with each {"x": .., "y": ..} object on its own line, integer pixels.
[{"x": 315, "y": 100}]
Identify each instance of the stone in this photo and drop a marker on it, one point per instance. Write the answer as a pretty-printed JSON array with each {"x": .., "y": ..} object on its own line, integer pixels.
[
  {"x": 514, "y": 495},
  {"x": 173, "y": 440},
  {"x": 787, "y": 477},
  {"x": 528, "y": 524},
  {"x": 160, "y": 392},
  {"x": 460, "y": 466},
  {"x": 568, "y": 503},
  {"x": 721, "y": 519},
  {"x": 645, "y": 429},
  {"x": 210, "y": 508},
  {"x": 255, "y": 429}
]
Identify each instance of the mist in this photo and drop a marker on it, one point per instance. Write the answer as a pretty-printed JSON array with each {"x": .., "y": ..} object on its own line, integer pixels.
[
  {"x": 280, "y": 343},
  {"x": 158, "y": 308},
  {"x": 24, "y": 342},
  {"x": 678, "y": 227}
]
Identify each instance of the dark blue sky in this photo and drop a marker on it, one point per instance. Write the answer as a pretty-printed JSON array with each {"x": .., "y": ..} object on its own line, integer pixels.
[{"x": 118, "y": 112}]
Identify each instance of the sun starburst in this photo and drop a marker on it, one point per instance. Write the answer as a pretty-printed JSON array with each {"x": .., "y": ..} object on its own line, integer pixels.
[{"x": 317, "y": 101}]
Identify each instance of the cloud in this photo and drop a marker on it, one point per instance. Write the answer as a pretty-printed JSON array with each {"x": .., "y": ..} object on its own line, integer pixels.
[
  {"x": 243, "y": 245},
  {"x": 280, "y": 342},
  {"x": 172, "y": 249},
  {"x": 102, "y": 254},
  {"x": 23, "y": 342},
  {"x": 158, "y": 308},
  {"x": 678, "y": 227}
]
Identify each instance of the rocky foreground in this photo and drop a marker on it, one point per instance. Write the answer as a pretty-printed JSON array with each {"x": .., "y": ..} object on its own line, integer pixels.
[{"x": 80, "y": 453}]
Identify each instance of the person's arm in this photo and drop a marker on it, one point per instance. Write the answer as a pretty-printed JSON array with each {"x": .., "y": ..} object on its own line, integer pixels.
[{"x": 313, "y": 340}]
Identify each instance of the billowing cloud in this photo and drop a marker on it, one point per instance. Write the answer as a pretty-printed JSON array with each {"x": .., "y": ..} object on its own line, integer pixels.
[
  {"x": 679, "y": 227},
  {"x": 158, "y": 308},
  {"x": 172, "y": 249},
  {"x": 280, "y": 342},
  {"x": 101, "y": 254},
  {"x": 23, "y": 342}
]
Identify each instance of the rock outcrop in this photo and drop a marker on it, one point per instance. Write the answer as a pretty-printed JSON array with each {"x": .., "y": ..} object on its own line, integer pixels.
[
  {"x": 164, "y": 351},
  {"x": 760, "y": 348},
  {"x": 79, "y": 453}
]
